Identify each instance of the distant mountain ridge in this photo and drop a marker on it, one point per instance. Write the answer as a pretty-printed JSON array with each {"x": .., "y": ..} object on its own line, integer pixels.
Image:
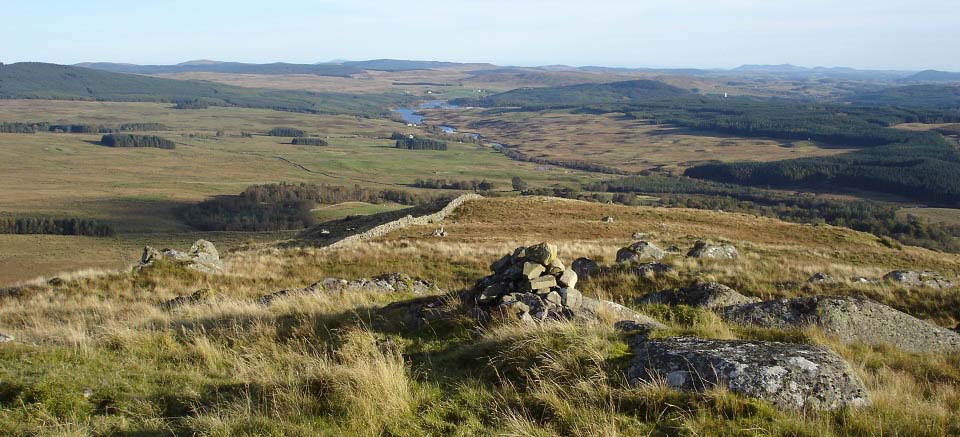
[
  {"x": 933, "y": 76},
  {"x": 335, "y": 70}
]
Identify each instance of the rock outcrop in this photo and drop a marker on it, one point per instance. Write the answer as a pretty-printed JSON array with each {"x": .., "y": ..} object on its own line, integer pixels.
[
  {"x": 202, "y": 257},
  {"x": 531, "y": 284},
  {"x": 702, "y": 249},
  {"x": 910, "y": 278},
  {"x": 639, "y": 251},
  {"x": 849, "y": 318},
  {"x": 700, "y": 295},
  {"x": 789, "y": 376},
  {"x": 386, "y": 283}
]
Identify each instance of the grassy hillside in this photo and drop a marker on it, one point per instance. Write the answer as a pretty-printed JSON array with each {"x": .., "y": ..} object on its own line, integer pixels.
[
  {"x": 96, "y": 355},
  {"x": 29, "y": 80}
]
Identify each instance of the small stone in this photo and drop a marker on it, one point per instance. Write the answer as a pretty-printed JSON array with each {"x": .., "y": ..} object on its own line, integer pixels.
[
  {"x": 543, "y": 283},
  {"x": 492, "y": 292},
  {"x": 571, "y": 297},
  {"x": 554, "y": 298},
  {"x": 556, "y": 268},
  {"x": 533, "y": 270},
  {"x": 607, "y": 219},
  {"x": 5, "y": 338},
  {"x": 543, "y": 253},
  {"x": 568, "y": 279},
  {"x": 55, "y": 281}
]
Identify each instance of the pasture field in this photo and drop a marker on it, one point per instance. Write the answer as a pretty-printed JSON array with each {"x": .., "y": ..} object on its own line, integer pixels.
[
  {"x": 141, "y": 190},
  {"x": 614, "y": 141}
]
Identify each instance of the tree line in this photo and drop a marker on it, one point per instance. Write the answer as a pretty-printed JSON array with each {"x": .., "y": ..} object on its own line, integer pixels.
[
  {"x": 29, "y": 128},
  {"x": 285, "y": 132},
  {"x": 308, "y": 141},
  {"x": 443, "y": 184},
  {"x": 55, "y": 226},
  {"x": 412, "y": 142},
  {"x": 273, "y": 207},
  {"x": 127, "y": 140}
]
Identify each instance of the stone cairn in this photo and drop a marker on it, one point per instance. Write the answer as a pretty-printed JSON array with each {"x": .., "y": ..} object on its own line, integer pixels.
[{"x": 531, "y": 284}]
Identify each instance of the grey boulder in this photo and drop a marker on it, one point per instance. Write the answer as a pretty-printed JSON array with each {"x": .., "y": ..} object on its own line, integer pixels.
[
  {"x": 702, "y": 249},
  {"x": 849, "y": 318},
  {"x": 789, "y": 376}
]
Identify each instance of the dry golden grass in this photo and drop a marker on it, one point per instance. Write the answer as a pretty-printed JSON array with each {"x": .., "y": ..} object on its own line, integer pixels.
[
  {"x": 611, "y": 140},
  {"x": 321, "y": 364}
]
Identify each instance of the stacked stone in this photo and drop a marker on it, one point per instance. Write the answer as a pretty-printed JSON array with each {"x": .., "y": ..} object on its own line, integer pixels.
[{"x": 531, "y": 284}]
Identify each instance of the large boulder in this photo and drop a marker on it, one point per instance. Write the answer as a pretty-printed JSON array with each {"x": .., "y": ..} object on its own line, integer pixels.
[
  {"x": 203, "y": 257},
  {"x": 639, "y": 251},
  {"x": 849, "y": 318},
  {"x": 910, "y": 278},
  {"x": 789, "y": 376},
  {"x": 700, "y": 295},
  {"x": 702, "y": 249}
]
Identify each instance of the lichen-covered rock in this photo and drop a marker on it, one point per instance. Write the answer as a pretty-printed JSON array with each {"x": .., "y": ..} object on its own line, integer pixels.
[
  {"x": 789, "y": 376},
  {"x": 911, "y": 278},
  {"x": 639, "y": 251},
  {"x": 202, "y": 257},
  {"x": 585, "y": 267},
  {"x": 849, "y": 318},
  {"x": 543, "y": 253},
  {"x": 700, "y": 295},
  {"x": 702, "y": 249}
]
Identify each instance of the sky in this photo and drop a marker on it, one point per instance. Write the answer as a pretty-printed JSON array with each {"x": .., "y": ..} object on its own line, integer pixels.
[{"x": 874, "y": 34}]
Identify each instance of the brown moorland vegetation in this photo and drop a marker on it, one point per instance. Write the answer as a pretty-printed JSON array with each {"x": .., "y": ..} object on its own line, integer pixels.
[{"x": 96, "y": 355}]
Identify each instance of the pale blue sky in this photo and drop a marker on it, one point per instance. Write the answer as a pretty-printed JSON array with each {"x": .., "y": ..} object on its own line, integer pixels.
[{"x": 888, "y": 34}]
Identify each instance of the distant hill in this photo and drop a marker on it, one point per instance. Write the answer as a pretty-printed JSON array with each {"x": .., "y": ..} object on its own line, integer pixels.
[
  {"x": 32, "y": 80},
  {"x": 589, "y": 94},
  {"x": 941, "y": 96},
  {"x": 227, "y": 67},
  {"x": 782, "y": 68},
  {"x": 405, "y": 65},
  {"x": 933, "y": 76}
]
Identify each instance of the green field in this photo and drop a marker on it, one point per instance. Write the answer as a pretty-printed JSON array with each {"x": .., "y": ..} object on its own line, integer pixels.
[{"x": 141, "y": 190}]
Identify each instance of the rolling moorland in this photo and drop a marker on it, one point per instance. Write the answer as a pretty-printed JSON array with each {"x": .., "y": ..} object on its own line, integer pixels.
[{"x": 825, "y": 181}]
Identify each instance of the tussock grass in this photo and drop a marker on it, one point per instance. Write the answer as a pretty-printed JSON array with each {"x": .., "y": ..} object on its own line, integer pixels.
[{"x": 97, "y": 355}]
